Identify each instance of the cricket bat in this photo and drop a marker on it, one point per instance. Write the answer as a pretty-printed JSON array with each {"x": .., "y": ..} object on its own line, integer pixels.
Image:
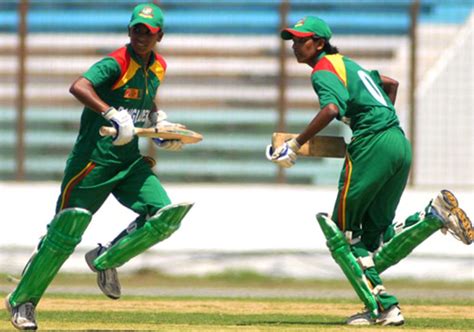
[
  {"x": 318, "y": 146},
  {"x": 184, "y": 135}
]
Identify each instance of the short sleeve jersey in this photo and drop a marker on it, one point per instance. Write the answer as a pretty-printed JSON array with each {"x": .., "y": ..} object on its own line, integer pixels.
[
  {"x": 122, "y": 81},
  {"x": 357, "y": 93}
]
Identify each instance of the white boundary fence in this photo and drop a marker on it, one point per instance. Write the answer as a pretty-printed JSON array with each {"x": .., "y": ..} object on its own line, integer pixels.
[{"x": 270, "y": 229}]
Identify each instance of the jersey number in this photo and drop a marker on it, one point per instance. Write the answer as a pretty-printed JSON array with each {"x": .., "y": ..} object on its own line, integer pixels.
[{"x": 372, "y": 87}]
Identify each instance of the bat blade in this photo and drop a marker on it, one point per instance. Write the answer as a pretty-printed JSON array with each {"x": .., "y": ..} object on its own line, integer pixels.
[
  {"x": 184, "y": 135},
  {"x": 318, "y": 146}
]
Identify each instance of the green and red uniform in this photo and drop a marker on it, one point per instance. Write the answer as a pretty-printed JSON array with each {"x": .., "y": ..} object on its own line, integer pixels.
[
  {"x": 378, "y": 157},
  {"x": 97, "y": 168}
]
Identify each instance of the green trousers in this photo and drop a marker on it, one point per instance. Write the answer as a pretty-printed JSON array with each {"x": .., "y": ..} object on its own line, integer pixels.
[
  {"x": 87, "y": 185},
  {"x": 371, "y": 184},
  {"x": 85, "y": 188}
]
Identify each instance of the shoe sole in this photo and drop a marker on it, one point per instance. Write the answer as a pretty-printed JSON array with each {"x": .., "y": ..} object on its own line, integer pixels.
[
  {"x": 465, "y": 223},
  {"x": 449, "y": 199},
  {"x": 29, "y": 328},
  {"x": 451, "y": 203},
  {"x": 394, "y": 323},
  {"x": 90, "y": 257},
  {"x": 104, "y": 291}
]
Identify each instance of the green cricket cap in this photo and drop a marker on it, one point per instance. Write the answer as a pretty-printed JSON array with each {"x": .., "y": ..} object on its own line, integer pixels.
[
  {"x": 306, "y": 27},
  {"x": 148, "y": 14}
]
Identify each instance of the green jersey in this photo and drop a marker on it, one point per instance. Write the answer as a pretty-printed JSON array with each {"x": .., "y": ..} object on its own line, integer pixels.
[
  {"x": 358, "y": 93},
  {"x": 124, "y": 82}
]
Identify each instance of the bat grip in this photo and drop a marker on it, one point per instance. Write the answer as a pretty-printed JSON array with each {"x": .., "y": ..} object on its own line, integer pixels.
[{"x": 107, "y": 131}]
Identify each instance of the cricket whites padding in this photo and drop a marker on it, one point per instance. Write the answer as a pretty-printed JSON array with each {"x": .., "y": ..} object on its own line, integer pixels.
[
  {"x": 64, "y": 234},
  {"x": 343, "y": 256},
  {"x": 405, "y": 240},
  {"x": 156, "y": 229}
]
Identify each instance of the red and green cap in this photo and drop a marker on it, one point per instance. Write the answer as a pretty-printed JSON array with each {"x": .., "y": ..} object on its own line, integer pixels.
[
  {"x": 308, "y": 27},
  {"x": 148, "y": 14}
]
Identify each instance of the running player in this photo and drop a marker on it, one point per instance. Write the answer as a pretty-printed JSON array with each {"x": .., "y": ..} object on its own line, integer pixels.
[
  {"x": 118, "y": 90},
  {"x": 373, "y": 177}
]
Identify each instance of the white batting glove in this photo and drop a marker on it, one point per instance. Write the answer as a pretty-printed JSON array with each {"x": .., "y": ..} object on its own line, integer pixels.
[
  {"x": 168, "y": 144},
  {"x": 285, "y": 154},
  {"x": 123, "y": 123},
  {"x": 158, "y": 120},
  {"x": 154, "y": 118},
  {"x": 161, "y": 122}
]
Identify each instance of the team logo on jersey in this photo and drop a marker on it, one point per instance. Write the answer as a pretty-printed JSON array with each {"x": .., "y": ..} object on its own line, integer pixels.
[
  {"x": 131, "y": 93},
  {"x": 138, "y": 115},
  {"x": 146, "y": 12}
]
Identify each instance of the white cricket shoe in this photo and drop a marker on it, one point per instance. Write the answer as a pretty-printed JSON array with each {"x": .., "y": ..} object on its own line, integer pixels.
[
  {"x": 392, "y": 316},
  {"x": 107, "y": 280},
  {"x": 360, "y": 318},
  {"x": 445, "y": 206},
  {"x": 22, "y": 316}
]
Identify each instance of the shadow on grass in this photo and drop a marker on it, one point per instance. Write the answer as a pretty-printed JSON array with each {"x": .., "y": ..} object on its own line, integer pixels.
[{"x": 297, "y": 323}]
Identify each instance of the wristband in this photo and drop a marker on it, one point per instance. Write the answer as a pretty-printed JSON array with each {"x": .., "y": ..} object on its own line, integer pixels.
[
  {"x": 109, "y": 113},
  {"x": 294, "y": 145}
]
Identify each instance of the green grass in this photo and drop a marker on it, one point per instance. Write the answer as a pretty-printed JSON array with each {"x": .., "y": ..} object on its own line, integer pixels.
[
  {"x": 141, "y": 317},
  {"x": 212, "y": 313},
  {"x": 241, "y": 278}
]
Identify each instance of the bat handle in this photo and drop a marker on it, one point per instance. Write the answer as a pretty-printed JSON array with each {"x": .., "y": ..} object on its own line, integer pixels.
[{"x": 107, "y": 131}]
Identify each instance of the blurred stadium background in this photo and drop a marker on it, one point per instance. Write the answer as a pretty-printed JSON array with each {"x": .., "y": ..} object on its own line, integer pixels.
[{"x": 231, "y": 77}]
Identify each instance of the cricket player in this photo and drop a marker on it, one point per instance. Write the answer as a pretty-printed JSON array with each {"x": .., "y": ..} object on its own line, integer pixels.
[
  {"x": 118, "y": 91},
  {"x": 361, "y": 236}
]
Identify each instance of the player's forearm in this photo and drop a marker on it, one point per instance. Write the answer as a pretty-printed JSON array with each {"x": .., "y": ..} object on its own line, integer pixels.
[
  {"x": 390, "y": 86},
  {"x": 319, "y": 122},
  {"x": 83, "y": 90}
]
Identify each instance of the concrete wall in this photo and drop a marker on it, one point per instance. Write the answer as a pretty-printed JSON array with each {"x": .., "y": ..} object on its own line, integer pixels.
[{"x": 228, "y": 219}]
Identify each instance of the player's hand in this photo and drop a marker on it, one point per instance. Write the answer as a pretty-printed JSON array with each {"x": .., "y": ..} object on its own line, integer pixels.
[
  {"x": 158, "y": 120},
  {"x": 285, "y": 154},
  {"x": 154, "y": 118},
  {"x": 164, "y": 125},
  {"x": 168, "y": 144},
  {"x": 123, "y": 123}
]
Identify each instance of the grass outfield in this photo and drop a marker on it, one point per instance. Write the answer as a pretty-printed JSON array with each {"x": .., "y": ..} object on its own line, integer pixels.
[
  {"x": 244, "y": 279},
  {"x": 81, "y": 311},
  {"x": 62, "y": 312}
]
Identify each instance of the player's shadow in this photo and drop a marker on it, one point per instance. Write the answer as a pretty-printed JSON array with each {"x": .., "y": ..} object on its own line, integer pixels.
[{"x": 282, "y": 322}]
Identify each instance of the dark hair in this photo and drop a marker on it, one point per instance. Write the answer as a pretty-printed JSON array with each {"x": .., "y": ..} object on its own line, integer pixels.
[{"x": 328, "y": 48}]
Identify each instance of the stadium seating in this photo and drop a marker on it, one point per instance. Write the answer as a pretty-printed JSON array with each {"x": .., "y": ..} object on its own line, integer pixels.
[
  {"x": 232, "y": 17},
  {"x": 222, "y": 78}
]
